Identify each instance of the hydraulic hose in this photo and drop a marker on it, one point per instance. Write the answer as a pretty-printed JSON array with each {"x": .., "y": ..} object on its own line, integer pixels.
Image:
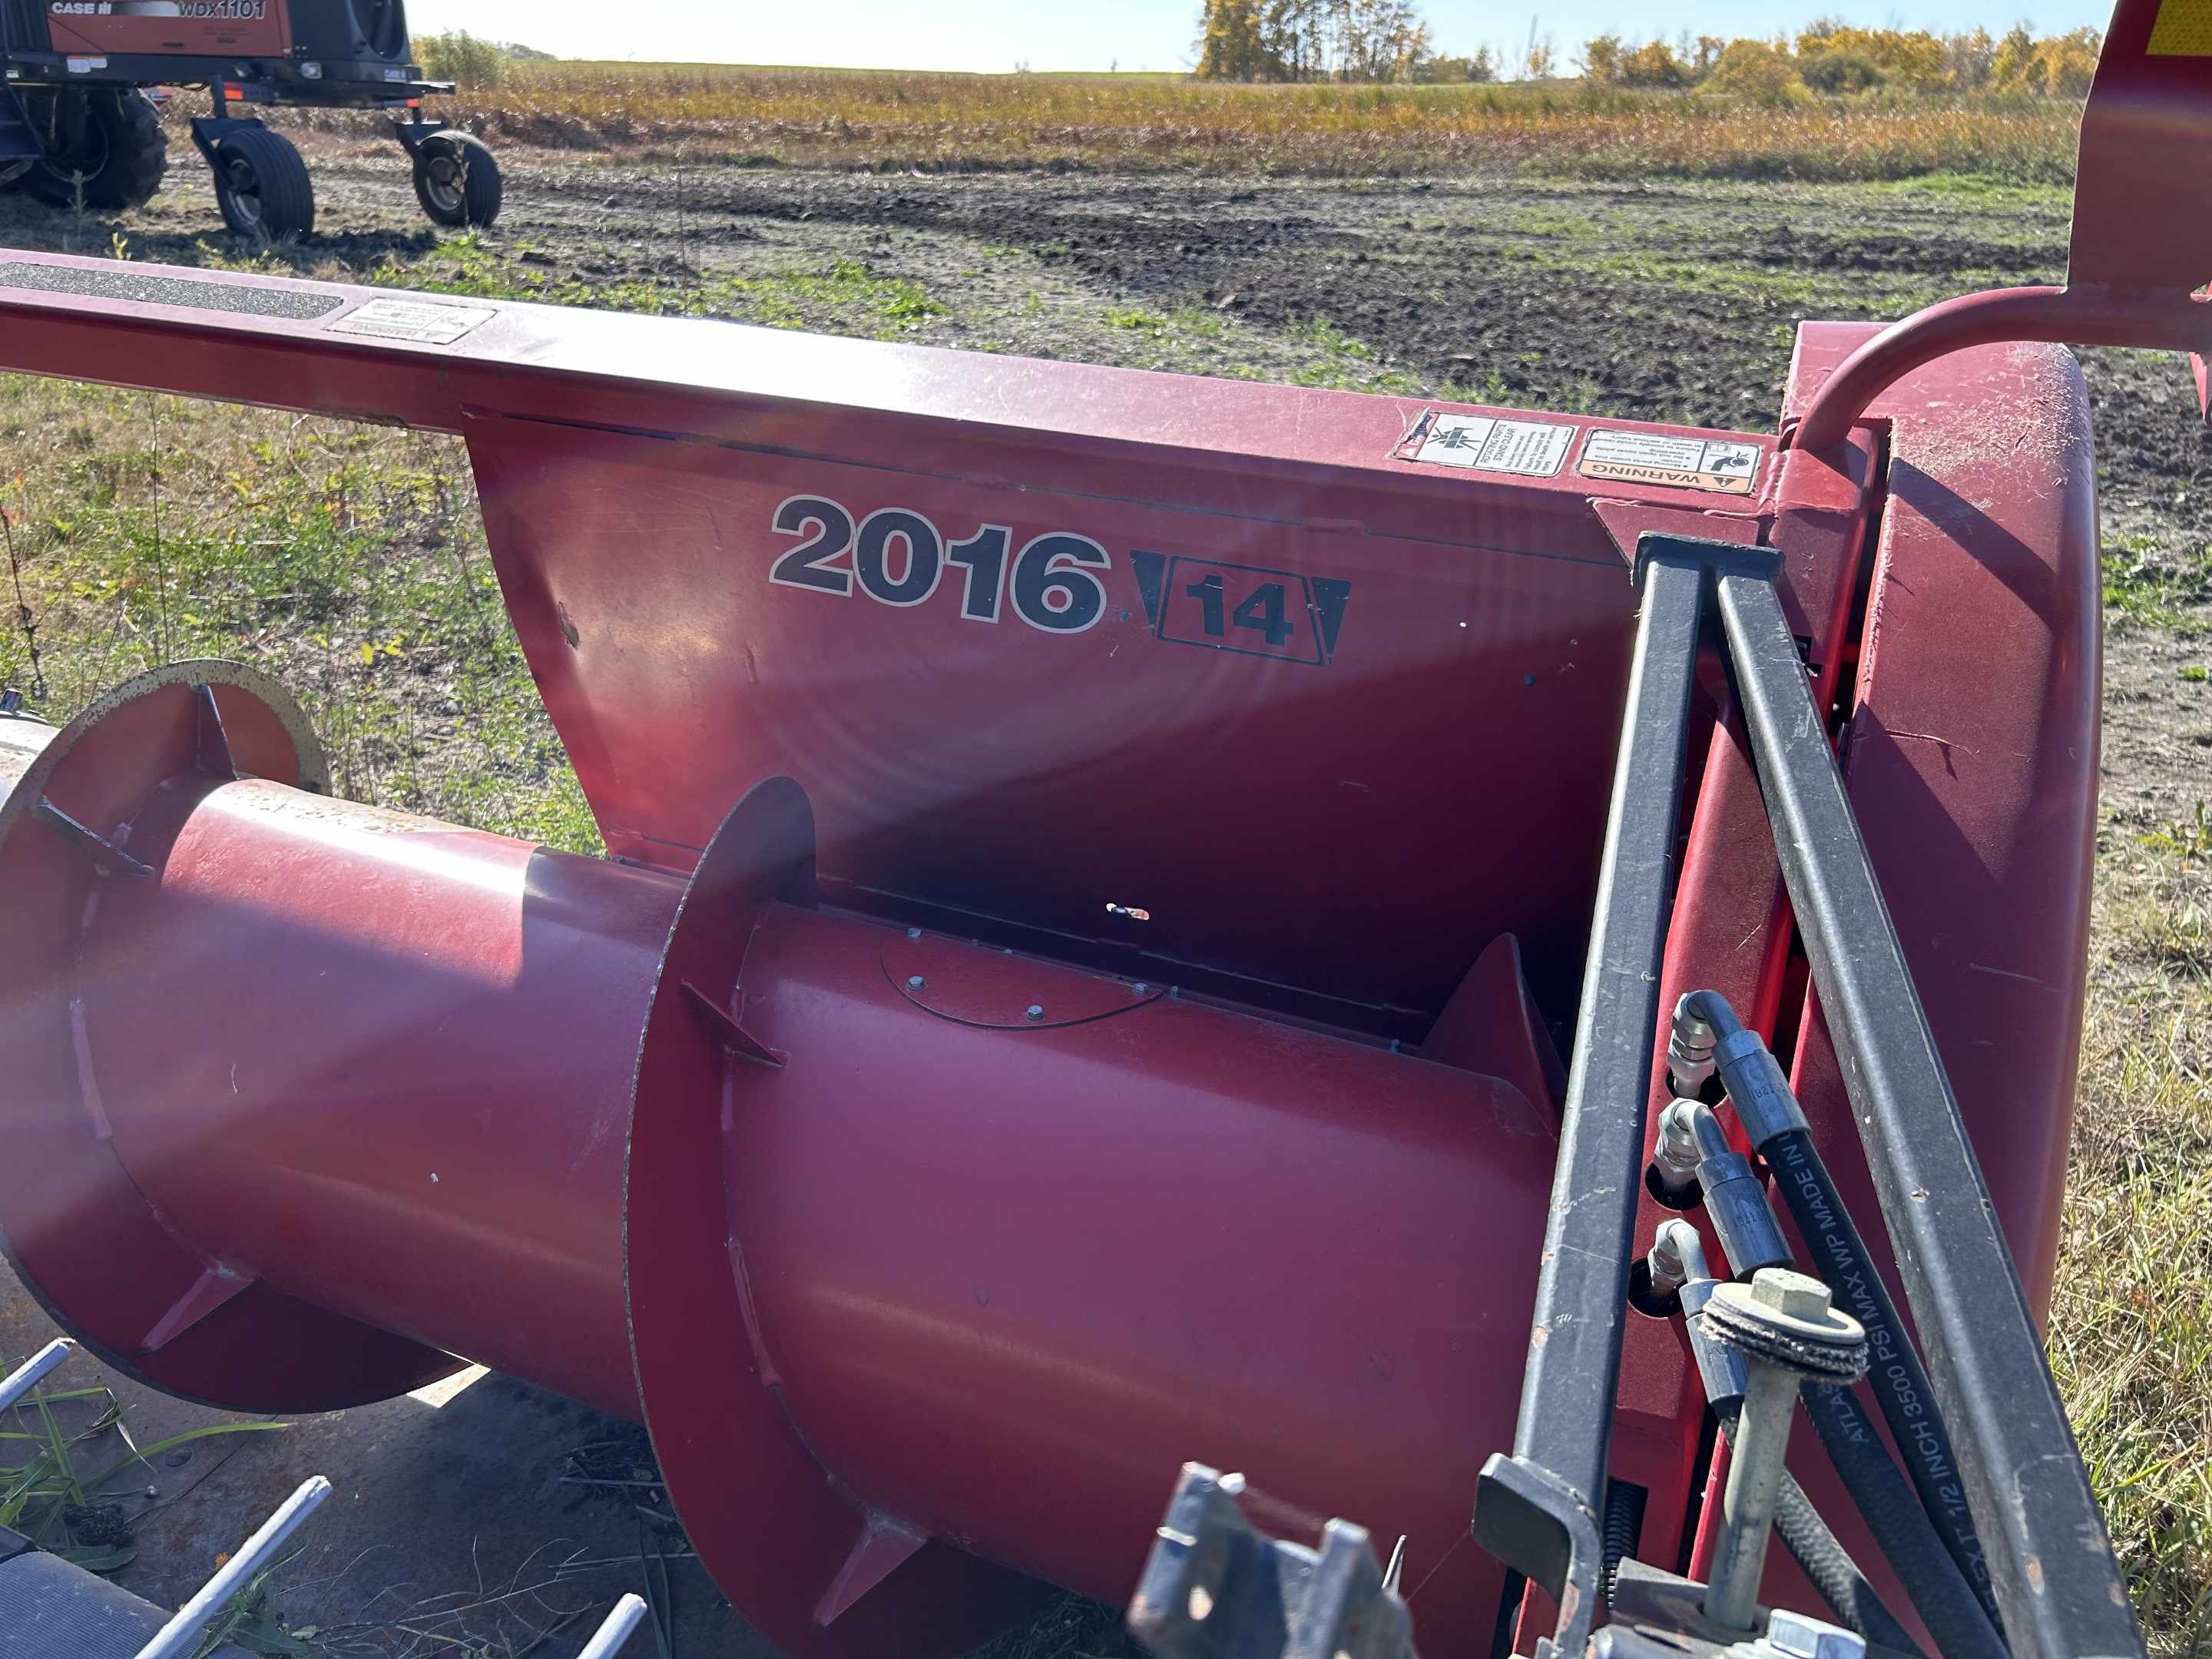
[
  {"x": 1707, "y": 1033},
  {"x": 1902, "y": 1528},
  {"x": 1833, "y": 1573}
]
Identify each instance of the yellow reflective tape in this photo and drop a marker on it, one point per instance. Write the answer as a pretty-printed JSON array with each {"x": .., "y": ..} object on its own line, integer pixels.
[{"x": 2183, "y": 29}]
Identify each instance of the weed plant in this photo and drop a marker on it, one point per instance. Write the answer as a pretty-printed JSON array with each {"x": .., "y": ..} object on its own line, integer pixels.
[{"x": 49, "y": 1496}]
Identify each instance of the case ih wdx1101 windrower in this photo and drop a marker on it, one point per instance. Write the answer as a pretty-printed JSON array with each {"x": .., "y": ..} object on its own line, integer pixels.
[
  {"x": 1098, "y": 863},
  {"x": 76, "y": 126}
]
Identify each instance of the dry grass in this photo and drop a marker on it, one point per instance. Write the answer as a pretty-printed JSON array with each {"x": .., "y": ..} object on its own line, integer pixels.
[
  {"x": 824, "y": 118},
  {"x": 348, "y": 561},
  {"x": 2131, "y": 1322}
]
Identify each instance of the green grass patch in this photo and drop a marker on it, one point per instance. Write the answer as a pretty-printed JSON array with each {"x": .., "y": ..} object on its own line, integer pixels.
[
  {"x": 2157, "y": 584},
  {"x": 348, "y": 561}
]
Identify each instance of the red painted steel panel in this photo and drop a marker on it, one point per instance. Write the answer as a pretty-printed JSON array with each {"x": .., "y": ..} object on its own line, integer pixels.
[
  {"x": 1304, "y": 808},
  {"x": 1062, "y": 1259}
]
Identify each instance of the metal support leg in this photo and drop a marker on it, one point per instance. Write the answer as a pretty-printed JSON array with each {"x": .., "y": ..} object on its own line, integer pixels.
[
  {"x": 2050, "y": 1560},
  {"x": 1538, "y": 1509}
]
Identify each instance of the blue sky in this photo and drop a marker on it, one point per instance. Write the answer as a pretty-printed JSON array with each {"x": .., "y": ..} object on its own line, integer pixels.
[{"x": 1060, "y": 34}]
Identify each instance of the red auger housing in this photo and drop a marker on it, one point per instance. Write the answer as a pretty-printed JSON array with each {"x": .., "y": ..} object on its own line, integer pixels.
[{"x": 1103, "y": 869}]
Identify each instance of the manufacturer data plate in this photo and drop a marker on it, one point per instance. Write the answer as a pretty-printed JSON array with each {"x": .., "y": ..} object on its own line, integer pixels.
[
  {"x": 1653, "y": 458},
  {"x": 412, "y": 320},
  {"x": 1487, "y": 443}
]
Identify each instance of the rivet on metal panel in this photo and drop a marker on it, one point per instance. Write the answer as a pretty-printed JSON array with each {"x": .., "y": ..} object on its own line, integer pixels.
[{"x": 1035, "y": 1011}]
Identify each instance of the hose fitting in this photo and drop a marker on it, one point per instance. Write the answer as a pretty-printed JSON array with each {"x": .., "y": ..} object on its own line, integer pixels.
[
  {"x": 1677, "y": 1263},
  {"x": 1690, "y": 1043},
  {"x": 1735, "y": 1200},
  {"x": 1675, "y": 1155}
]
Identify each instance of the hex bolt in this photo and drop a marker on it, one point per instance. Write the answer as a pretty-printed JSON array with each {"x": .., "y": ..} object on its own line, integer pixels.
[
  {"x": 914, "y": 982},
  {"x": 1787, "y": 1334}
]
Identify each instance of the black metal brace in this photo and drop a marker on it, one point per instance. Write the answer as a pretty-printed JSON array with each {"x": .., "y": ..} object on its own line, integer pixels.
[
  {"x": 2050, "y": 1559},
  {"x": 2057, "y": 1580},
  {"x": 1537, "y": 1510}
]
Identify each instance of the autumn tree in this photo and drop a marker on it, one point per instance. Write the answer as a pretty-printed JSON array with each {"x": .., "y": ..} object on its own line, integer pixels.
[
  {"x": 1232, "y": 43},
  {"x": 1312, "y": 40}
]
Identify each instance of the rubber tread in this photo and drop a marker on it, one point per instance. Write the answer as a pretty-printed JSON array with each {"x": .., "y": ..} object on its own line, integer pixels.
[
  {"x": 482, "y": 190},
  {"x": 137, "y": 154},
  {"x": 288, "y": 196}
]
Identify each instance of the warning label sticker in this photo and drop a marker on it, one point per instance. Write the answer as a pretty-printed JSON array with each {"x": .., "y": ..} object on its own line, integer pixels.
[
  {"x": 1534, "y": 449},
  {"x": 1653, "y": 458},
  {"x": 2182, "y": 29},
  {"x": 412, "y": 320}
]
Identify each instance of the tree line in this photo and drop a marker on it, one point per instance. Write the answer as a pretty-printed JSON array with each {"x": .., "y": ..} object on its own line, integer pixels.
[{"x": 1387, "y": 41}]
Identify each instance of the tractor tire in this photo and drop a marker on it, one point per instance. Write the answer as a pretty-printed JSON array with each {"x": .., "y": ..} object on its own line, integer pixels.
[
  {"x": 262, "y": 185},
  {"x": 107, "y": 140},
  {"x": 456, "y": 180}
]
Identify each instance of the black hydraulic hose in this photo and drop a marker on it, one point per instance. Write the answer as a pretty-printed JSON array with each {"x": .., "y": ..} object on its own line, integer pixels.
[
  {"x": 1771, "y": 1117},
  {"x": 1939, "y": 1591},
  {"x": 1833, "y": 1573},
  {"x": 1901, "y": 1384}
]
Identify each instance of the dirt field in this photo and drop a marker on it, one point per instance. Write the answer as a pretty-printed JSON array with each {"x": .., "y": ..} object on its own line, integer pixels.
[{"x": 1670, "y": 301}]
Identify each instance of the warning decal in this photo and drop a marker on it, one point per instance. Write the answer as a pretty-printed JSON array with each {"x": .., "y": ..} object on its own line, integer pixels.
[
  {"x": 1534, "y": 449},
  {"x": 412, "y": 320},
  {"x": 1653, "y": 458},
  {"x": 2182, "y": 29}
]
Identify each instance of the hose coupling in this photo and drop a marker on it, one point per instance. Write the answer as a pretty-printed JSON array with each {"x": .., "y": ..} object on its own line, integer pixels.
[
  {"x": 1690, "y": 1043},
  {"x": 1786, "y": 1331},
  {"x": 1735, "y": 1200},
  {"x": 1757, "y": 1087},
  {"x": 1677, "y": 1263},
  {"x": 1675, "y": 1154},
  {"x": 1677, "y": 1256}
]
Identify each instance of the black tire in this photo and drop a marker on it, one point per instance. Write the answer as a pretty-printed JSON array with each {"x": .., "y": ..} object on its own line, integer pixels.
[
  {"x": 109, "y": 139},
  {"x": 262, "y": 185},
  {"x": 456, "y": 180}
]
